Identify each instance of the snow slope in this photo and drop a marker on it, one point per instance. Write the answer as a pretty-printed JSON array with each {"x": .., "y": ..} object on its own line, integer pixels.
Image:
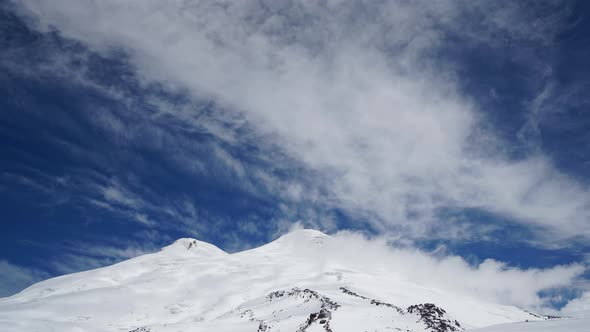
[
  {"x": 554, "y": 325},
  {"x": 290, "y": 284}
]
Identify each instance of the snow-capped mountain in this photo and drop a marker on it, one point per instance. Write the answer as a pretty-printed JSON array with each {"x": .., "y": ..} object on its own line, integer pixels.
[{"x": 290, "y": 284}]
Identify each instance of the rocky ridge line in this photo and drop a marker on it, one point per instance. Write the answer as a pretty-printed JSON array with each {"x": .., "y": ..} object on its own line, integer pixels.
[{"x": 433, "y": 317}]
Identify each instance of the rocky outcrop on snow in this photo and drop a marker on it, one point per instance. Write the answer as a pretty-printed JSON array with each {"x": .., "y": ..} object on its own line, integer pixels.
[
  {"x": 372, "y": 301},
  {"x": 142, "y": 329},
  {"x": 321, "y": 316},
  {"x": 434, "y": 318}
]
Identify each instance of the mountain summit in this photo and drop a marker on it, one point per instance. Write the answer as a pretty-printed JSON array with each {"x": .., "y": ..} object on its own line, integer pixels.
[
  {"x": 303, "y": 281},
  {"x": 192, "y": 247}
]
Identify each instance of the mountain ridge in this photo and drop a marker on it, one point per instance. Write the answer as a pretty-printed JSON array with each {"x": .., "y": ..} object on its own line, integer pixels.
[{"x": 303, "y": 281}]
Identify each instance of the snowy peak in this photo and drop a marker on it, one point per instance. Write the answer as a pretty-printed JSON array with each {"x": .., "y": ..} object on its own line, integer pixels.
[
  {"x": 192, "y": 247},
  {"x": 299, "y": 239},
  {"x": 187, "y": 242},
  {"x": 303, "y": 281}
]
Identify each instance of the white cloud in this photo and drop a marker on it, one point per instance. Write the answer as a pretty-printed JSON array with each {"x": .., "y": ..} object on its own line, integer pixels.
[
  {"x": 116, "y": 194},
  {"x": 490, "y": 280},
  {"x": 353, "y": 91},
  {"x": 139, "y": 203},
  {"x": 579, "y": 307}
]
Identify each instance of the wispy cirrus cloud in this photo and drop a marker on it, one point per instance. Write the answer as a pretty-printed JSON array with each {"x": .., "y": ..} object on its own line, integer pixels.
[{"x": 355, "y": 93}]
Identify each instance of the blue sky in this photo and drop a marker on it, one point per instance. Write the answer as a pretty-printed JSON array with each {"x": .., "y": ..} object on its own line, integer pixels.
[{"x": 459, "y": 127}]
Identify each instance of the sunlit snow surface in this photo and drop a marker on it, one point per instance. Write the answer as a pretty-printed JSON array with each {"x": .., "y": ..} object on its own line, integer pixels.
[
  {"x": 287, "y": 285},
  {"x": 557, "y": 325}
]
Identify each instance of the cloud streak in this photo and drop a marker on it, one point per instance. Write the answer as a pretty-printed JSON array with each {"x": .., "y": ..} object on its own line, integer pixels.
[
  {"x": 489, "y": 281},
  {"x": 354, "y": 92}
]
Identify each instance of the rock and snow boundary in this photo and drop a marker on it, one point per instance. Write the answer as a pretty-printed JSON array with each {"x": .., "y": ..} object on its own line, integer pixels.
[{"x": 293, "y": 284}]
